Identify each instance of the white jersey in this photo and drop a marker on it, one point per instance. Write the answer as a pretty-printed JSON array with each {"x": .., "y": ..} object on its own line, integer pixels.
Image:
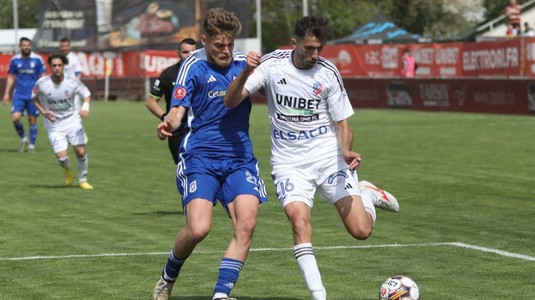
[
  {"x": 303, "y": 107},
  {"x": 73, "y": 66},
  {"x": 59, "y": 98}
]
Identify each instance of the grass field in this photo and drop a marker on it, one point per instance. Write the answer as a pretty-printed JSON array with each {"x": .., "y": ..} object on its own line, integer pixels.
[{"x": 466, "y": 229}]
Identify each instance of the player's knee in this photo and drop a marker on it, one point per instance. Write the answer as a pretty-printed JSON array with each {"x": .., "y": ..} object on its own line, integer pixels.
[
  {"x": 198, "y": 233},
  {"x": 300, "y": 226},
  {"x": 245, "y": 228},
  {"x": 361, "y": 232}
]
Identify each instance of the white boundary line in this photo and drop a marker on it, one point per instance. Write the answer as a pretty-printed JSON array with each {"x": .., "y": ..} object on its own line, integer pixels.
[{"x": 455, "y": 244}]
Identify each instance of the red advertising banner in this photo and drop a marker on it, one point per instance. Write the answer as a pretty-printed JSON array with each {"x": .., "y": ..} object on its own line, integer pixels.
[
  {"x": 506, "y": 96},
  {"x": 529, "y": 58},
  {"x": 492, "y": 58},
  {"x": 437, "y": 60},
  {"x": 507, "y": 58}
]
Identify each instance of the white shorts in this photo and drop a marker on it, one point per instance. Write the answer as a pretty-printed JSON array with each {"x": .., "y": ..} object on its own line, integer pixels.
[
  {"x": 61, "y": 136},
  {"x": 332, "y": 180}
]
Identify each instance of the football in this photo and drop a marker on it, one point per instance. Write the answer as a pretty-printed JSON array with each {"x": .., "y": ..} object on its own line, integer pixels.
[{"x": 399, "y": 288}]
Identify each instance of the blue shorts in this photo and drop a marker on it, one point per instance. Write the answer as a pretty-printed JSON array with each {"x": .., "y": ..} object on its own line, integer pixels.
[
  {"x": 21, "y": 105},
  {"x": 220, "y": 179}
]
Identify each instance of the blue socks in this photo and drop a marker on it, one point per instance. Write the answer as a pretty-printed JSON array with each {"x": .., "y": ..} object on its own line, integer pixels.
[
  {"x": 172, "y": 268},
  {"x": 229, "y": 270},
  {"x": 19, "y": 128},
  {"x": 33, "y": 134}
]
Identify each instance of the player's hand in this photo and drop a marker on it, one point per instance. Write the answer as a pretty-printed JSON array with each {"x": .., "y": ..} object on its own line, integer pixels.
[
  {"x": 353, "y": 160},
  {"x": 84, "y": 114},
  {"x": 253, "y": 59},
  {"x": 164, "y": 130},
  {"x": 50, "y": 116},
  {"x": 5, "y": 99}
]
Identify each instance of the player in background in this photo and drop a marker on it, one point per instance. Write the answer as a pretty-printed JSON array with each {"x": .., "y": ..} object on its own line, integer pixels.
[
  {"x": 163, "y": 87},
  {"x": 73, "y": 69},
  {"x": 53, "y": 95},
  {"x": 216, "y": 160},
  {"x": 24, "y": 70},
  {"x": 311, "y": 140}
]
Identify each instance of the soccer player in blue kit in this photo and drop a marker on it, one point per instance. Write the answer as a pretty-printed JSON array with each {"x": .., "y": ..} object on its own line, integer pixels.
[
  {"x": 216, "y": 156},
  {"x": 24, "y": 70}
]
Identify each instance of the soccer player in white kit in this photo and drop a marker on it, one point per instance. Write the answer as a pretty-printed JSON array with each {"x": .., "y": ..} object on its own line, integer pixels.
[
  {"x": 54, "y": 96},
  {"x": 311, "y": 140},
  {"x": 73, "y": 69}
]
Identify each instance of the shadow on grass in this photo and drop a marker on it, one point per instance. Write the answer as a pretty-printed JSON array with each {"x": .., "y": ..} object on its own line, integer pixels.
[
  {"x": 10, "y": 150},
  {"x": 159, "y": 213},
  {"x": 53, "y": 186}
]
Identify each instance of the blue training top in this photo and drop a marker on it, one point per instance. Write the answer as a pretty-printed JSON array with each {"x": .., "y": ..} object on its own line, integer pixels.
[
  {"x": 215, "y": 129},
  {"x": 27, "y": 71}
]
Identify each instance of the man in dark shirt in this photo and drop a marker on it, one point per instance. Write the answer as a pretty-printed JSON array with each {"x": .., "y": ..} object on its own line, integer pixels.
[{"x": 163, "y": 87}]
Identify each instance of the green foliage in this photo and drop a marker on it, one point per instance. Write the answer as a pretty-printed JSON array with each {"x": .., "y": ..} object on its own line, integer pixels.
[
  {"x": 464, "y": 178},
  {"x": 28, "y": 12}
]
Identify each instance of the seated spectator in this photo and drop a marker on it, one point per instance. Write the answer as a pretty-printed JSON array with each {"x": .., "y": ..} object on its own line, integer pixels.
[{"x": 511, "y": 31}]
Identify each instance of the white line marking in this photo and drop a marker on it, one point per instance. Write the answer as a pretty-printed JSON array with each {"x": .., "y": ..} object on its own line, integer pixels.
[
  {"x": 496, "y": 251},
  {"x": 455, "y": 244}
]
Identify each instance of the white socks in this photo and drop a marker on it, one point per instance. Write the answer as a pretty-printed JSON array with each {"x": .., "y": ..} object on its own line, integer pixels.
[
  {"x": 309, "y": 268},
  {"x": 367, "y": 199},
  {"x": 82, "y": 168}
]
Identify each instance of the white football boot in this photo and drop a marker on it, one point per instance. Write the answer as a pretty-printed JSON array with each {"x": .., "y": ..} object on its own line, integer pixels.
[{"x": 382, "y": 199}]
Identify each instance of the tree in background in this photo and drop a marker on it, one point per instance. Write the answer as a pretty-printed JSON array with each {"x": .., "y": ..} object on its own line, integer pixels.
[
  {"x": 28, "y": 13},
  {"x": 437, "y": 19}
]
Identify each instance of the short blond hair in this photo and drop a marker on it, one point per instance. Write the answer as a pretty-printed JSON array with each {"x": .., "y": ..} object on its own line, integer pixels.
[{"x": 219, "y": 21}]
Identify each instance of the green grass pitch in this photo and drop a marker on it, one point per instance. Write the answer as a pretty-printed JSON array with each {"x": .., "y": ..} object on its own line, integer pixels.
[{"x": 466, "y": 229}]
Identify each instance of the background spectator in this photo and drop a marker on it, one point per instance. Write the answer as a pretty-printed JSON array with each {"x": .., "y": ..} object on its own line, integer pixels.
[{"x": 512, "y": 11}]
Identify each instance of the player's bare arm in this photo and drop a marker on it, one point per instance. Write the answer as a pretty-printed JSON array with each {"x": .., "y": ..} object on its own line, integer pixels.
[
  {"x": 9, "y": 85},
  {"x": 84, "y": 110},
  {"x": 45, "y": 113},
  {"x": 171, "y": 122},
  {"x": 154, "y": 107},
  {"x": 345, "y": 141},
  {"x": 236, "y": 93}
]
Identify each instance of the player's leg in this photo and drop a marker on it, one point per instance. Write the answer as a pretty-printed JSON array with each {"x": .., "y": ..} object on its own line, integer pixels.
[
  {"x": 243, "y": 211},
  {"x": 198, "y": 224},
  {"x": 58, "y": 142},
  {"x": 357, "y": 219},
  {"x": 33, "y": 113},
  {"x": 295, "y": 189},
  {"x": 298, "y": 214},
  {"x": 196, "y": 184},
  {"x": 83, "y": 166},
  {"x": 340, "y": 187},
  {"x": 245, "y": 182},
  {"x": 17, "y": 108},
  {"x": 75, "y": 135}
]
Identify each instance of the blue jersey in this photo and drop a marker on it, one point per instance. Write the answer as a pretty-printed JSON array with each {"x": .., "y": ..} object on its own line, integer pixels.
[
  {"x": 27, "y": 71},
  {"x": 215, "y": 129}
]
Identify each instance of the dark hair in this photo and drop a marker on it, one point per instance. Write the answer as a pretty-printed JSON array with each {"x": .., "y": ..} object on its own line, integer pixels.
[
  {"x": 312, "y": 25},
  {"x": 188, "y": 41},
  {"x": 52, "y": 56},
  {"x": 24, "y": 39},
  {"x": 65, "y": 39}
]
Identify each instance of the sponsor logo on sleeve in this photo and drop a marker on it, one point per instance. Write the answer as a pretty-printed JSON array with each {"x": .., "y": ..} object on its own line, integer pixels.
[{"x": 179, "y": 93}]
